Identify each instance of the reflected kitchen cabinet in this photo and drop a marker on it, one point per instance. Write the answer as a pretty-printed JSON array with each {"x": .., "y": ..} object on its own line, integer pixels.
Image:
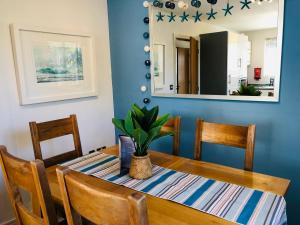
[
  {"x": 238, "y": 60},
  {"x": 213, "y": 63}
]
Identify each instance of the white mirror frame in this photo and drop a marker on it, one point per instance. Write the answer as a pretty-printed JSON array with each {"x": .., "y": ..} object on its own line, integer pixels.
[{"x": 275, "y": 98}]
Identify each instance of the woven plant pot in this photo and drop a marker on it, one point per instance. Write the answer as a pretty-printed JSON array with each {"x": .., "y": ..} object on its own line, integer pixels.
[{"x": 140, "y": 167}]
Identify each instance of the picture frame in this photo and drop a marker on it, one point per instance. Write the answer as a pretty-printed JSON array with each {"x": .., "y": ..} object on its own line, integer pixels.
[{"x": 53, "y": 65}]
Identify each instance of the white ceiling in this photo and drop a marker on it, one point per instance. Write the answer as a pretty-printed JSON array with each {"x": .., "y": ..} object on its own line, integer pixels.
[{"x": 258, "y": 17}]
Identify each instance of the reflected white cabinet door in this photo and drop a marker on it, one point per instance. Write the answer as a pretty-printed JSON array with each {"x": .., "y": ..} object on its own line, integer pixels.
[{"x": 237, "y": 60}]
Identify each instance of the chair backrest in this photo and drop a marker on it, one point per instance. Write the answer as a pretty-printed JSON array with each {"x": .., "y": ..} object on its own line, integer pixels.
[
  {"x": 53, "y": 129},
  {"x": 224, "y": 134},
  {"x": 98, "y": 206},
  {"x": 31, "y": 177},
  {"x": 173, "y": 125}
]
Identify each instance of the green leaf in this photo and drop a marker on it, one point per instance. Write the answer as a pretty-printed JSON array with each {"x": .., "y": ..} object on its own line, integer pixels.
[
  {"x": 151, "y": 117},
  {"x": 137, "y": 111},
  {"x": 136, "y": 123},
  {"x": 161, "y": 121},
  {"x": 144, "y": 109},
  {"x": 154, "y": 132},
  {"x": 140, "y": 136},
  {"x": 170, "y": 133},
  {"x": 129, "y": 124},
  {"x": 120, "y": 124},
  {"x": 138, "y": 114}
]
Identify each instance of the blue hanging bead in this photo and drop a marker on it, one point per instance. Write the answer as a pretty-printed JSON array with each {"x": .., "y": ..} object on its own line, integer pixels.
[
  {"x": 213, "y": 2},
  {"x": 172, "y": 5},
  {"x": 147, "y": 62},
  {"x": 146, "y": 35},
  {"x": 196, "y": 3},
  {"x": 161, "y": 5},
  {"x": 156, "y": 3},
  {"x": 146, "y": 100},
  {"x": 148, "y": 76},
  {"x": 146, "y": 20},
  {"x": 168, "y": 5}
]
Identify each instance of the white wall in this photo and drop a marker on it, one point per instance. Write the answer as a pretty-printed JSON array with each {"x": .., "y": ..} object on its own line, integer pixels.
[
  {"x": 257, "y": 39},
  {"x": 94, "y": 114}
]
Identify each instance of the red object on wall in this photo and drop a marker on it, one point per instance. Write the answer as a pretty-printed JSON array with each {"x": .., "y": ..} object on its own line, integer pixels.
[{"x": 257, "y": 73}]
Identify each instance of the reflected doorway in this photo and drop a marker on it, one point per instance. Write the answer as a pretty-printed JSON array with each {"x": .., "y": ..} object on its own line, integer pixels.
[{"x": 187, "y": 54}]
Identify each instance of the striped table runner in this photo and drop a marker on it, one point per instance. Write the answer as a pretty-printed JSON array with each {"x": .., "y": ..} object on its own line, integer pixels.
[{"x": 231, "y": 202}]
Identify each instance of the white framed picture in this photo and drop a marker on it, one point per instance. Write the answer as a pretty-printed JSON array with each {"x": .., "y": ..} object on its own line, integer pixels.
[{"x": 53, "y": 65}]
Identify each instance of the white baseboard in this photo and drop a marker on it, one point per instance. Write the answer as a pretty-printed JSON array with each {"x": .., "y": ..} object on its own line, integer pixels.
[{"x": 9, "y": 222}]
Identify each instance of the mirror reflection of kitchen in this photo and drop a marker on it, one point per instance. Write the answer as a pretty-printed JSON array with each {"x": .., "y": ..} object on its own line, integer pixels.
[{"x": 231, "y": 55}]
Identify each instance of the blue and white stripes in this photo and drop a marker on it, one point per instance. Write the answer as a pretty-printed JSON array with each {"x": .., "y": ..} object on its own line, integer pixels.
[{"x": 232, "y": 202}]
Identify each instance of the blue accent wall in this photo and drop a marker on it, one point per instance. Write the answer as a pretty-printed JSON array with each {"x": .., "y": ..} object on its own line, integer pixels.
[{"x": 277, "y": 150}]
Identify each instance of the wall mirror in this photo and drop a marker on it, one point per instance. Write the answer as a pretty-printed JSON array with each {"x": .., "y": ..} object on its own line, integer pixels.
[{"x": 232, "y": 57}]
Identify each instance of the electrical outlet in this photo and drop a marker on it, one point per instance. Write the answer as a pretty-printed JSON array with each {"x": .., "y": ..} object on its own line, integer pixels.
[{"x": 101, "y": 148}]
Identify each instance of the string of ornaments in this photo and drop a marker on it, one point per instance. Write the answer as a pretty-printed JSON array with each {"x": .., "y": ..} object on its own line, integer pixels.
[
  {"x": 197, "y": 17},
  {"x": 146, "y": 36}
]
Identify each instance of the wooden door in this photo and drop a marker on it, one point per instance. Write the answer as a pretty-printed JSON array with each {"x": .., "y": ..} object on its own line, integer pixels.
[
  {"x": 183, "y": 67},
  {"x": 194, "y": 86}
]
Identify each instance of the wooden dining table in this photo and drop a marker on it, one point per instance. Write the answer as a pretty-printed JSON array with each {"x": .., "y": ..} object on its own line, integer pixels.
[{"x": 164, "y": 212}]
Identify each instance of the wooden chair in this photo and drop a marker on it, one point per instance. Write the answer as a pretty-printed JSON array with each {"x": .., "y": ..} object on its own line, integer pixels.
[
  {"x": 230, "y": 135},
  {"x": 31, "y": 177},
  {"x": 173, "y": 125},
  {"x": 98, "y": 206},
  {"x": 53, "y": 129}
]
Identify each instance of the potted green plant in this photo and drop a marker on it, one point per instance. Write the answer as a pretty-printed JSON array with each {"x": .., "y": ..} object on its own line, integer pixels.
[
  {"x": 249, "y": 90},
  {"x": 143, "y": 126}
]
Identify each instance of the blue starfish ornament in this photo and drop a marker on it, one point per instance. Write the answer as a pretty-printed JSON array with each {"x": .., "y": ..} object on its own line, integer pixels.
[
  {"x": 228, "y": 9},
  {"x": 172, "y": 17},
  {"x": 197, "y": 17},
  {"x": 160, "y": 17},
  {"x": 211, "y": 14},
  {"x": 184, "y": 17},
  {"x": 245, "y": 4}
]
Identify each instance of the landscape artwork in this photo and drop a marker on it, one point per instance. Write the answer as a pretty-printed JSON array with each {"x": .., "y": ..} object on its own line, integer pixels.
[{"x": 58, "y": 62}]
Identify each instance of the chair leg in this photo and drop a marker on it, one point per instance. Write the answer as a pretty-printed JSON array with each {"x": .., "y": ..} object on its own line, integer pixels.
[{"x": 61, "y": 216}]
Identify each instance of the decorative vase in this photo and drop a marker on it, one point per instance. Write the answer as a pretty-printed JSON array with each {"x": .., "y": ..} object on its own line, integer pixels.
[
  {"x": 140, "y": 167},
  {"x": 126, "y": 149}
]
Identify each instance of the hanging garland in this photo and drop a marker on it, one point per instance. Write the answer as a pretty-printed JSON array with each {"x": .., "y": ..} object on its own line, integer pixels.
[
  {"x": 228, "y": 9},
  {"x": 197, "y": 17},
  {"x": 160, "y": 17},
  {"x": 211, "y": 14},
  {"x": 184, "y": 17},
  {"x": 171, "y": 17},
  {"x": 245, "y": 4}
]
